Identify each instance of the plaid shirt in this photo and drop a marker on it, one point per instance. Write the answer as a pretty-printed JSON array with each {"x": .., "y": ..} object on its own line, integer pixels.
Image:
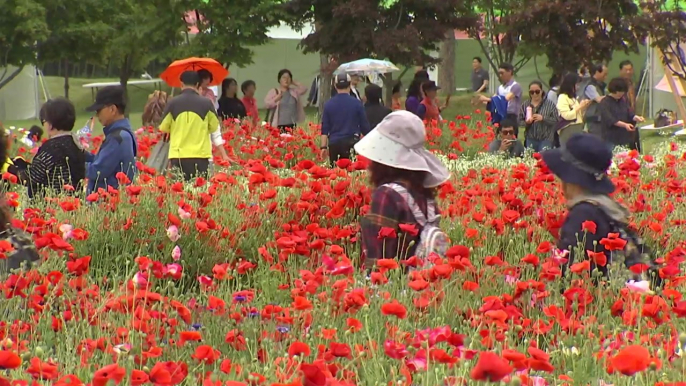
[{"x": 388, "y": 210}]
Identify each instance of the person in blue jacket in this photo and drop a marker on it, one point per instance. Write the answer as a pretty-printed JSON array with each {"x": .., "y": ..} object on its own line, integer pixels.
[{"x": 119, "y": 149}]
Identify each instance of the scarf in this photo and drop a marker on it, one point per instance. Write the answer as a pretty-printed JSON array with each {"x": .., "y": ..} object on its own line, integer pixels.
[{"x": 612, "y": 208}]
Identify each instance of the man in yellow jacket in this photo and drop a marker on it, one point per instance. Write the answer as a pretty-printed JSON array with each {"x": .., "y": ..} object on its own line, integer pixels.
[{"x": 193, "y": 127}]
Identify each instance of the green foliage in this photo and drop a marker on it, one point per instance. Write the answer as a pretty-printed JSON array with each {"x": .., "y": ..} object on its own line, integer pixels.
[
  {"x": 77, "y": 31},
  {"x": 22, "y": 23},
  {"x": 228, "y": 28},
  {"x": 403, "y": 31},
  {"x": 142, "y": 31}
]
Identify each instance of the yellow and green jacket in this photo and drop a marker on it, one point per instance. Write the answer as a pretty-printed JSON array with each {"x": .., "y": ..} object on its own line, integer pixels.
[{"x": 189, "y": 119}]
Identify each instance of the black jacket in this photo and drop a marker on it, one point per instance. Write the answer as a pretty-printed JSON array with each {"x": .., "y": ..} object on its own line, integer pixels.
[
  {"x": 612, "y": 111},
  {"x": 375, "y": 113},
  {"x": 231, "y": 108}
]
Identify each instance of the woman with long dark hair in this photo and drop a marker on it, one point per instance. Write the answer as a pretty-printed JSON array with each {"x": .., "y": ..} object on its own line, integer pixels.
[
  {"x": 414, "y": 92},
  {"x": 230, "y": 106},
  {"x": 404, "y": 176}
]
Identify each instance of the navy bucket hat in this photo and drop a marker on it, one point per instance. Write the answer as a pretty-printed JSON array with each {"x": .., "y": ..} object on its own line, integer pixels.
[{"x": 583, "y": 161}]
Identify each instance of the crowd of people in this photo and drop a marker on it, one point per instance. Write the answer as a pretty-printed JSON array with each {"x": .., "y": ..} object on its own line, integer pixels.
[
  {"x": 576, "y": 102},
  {"x": 404, "y": 174}
]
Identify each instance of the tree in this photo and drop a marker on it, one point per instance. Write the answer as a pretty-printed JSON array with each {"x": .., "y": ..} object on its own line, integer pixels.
[
  {"x": 446, "y": 71},
  {"x": 143, "y": 31},
  {"x": 668, "y": 32},
  {"x": 77, "y": 32},
  {"x": 402, "y": 31},
  {"x": 498, "y": 43},
  {"x": 22, "y": 23},
  {"x": 228, "y": 28},
  {"x": 575, "y": 32}
]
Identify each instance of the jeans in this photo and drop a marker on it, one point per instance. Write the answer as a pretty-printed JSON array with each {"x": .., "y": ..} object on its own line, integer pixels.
[{"x": 538, "y": 145}]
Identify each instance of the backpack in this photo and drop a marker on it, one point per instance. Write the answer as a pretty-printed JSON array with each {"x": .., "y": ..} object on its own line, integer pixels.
[
  {"x": 432, "y": 239},
  {"x": 635, "y": 251}
]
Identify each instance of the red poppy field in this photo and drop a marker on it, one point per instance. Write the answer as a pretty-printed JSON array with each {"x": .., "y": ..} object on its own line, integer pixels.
[{"x": 252, "y": 278}]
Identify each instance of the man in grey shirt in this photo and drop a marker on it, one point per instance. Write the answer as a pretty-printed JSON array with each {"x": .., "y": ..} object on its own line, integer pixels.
[
  {"x": 479, "y": 76},
  {"x": 593, "y": 89},
  {"x": 507, "y": 142}
]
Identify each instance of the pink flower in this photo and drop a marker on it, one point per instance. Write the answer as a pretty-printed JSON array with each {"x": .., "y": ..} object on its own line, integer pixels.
[
  {"x": 66, "y": 230},
  {"x": 173, "y": 269},
  {"x": 641, "y": 287},
  {"x": 140, "y": 279},
  {"x": 183, "y": 214},
  {"x": 173, "y": 234},
  {"x": 176, "y": 253}
]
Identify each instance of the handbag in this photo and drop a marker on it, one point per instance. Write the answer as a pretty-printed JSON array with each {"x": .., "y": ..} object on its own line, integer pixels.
[
  {"x": 159, "y": 156},
  {"x": 270, "y": 113}
]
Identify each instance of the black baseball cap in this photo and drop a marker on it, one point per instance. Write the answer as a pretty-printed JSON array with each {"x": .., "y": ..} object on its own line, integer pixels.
[
  {"x": 430, "y": 86},
  {"x": 342, "y": 81},
  {"x": 108, "y": 96}
]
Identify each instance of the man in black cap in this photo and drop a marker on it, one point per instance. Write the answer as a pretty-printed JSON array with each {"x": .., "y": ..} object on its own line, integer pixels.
[
  {"x": 582, "y": 168},
  {"x": 343, "y": 121},
  {"x": 193, "y": 127},
  {"x": 118, "y": 152}
]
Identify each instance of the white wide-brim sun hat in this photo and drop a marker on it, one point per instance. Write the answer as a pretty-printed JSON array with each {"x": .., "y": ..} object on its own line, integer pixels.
[{"x": 398, "y": 142}]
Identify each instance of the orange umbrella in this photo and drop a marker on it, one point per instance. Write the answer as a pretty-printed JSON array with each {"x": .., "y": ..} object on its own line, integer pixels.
[{"x": 173, "y": 73}]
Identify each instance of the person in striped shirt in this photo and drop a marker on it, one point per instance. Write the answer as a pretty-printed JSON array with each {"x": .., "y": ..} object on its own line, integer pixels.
[{"x": 540, "y": 124}]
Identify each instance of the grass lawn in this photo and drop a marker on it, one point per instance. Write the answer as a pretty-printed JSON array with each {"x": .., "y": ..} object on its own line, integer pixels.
[{"x": 138, "y": 95}]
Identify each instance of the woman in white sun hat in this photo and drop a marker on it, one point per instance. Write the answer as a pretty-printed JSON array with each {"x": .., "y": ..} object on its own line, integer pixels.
[{"x": 395, "y": 149}]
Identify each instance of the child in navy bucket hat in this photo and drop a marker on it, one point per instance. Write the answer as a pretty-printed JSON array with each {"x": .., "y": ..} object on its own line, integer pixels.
[{"x": 582, "y": 169}]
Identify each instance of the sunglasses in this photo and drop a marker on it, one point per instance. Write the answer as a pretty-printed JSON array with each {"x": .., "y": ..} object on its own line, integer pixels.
[
  {"x": 534, "y": 92},
  {"x": 507, "y": 132}
]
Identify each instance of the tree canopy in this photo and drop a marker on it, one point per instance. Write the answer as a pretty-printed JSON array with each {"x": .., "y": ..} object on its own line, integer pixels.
[
  {"x": 22, "y": 24},
  {"x": 575, "y": 32},
  {"x": 403, "y": 31}
]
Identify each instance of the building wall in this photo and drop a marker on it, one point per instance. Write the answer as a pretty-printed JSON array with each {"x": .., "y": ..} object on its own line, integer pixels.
[{"x": 269, "y": 59}]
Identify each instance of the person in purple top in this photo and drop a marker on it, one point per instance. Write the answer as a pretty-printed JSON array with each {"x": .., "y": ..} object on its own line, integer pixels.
[{"x": 414, "y": 92}]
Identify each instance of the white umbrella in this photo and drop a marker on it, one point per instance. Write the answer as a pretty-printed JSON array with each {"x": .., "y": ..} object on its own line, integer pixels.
[{"x": 367, "y": 67}]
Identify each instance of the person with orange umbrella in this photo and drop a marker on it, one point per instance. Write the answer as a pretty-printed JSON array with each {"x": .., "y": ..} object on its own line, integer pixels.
[
  {"x": 211, "y": 71},
  {"x": 193, "y": 127}
]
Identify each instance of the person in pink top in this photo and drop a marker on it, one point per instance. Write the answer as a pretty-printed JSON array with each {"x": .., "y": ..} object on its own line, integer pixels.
[
  {"x": 284, "y": 102},
  {"x": 206, "y": 78},
  {"x": 248, "y": 88}
]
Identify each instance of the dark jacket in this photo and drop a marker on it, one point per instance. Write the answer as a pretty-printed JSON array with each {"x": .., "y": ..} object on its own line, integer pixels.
[
  {"x": 117, "y": 154},
  {"x": 592, "y": 113},
  {"x": 375, "y": 113},
  {"x": 344, "y": 119},
  {"x": 231, "y": 108},
  {"x": 59, "y": 162},
  {"x": 613, "y": 111},
  {"x": 607, "y": 215}
]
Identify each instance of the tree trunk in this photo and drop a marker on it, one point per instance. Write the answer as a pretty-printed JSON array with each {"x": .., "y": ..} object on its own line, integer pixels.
[
  {"x": 124, "y": 76},
  {"x": 326, "y": 77},
  {"x": 446, "y": 70},
  {"x": 66, "y": 78},
  {"x": 388, "y": 84}
]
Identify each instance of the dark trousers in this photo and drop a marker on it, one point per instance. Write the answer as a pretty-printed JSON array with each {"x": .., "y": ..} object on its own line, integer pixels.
[
  {"x": 340, "y": 150},
  {"x": 191, "y": 167},
  {"x": 285, "y": 128},
  {"x": 515, "y": 118}
]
